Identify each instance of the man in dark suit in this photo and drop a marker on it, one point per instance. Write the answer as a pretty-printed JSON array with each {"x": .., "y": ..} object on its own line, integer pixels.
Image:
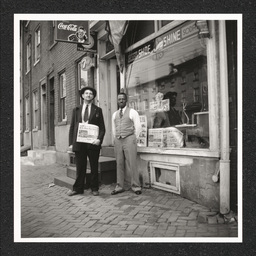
[{"x": 91, "y": 114}]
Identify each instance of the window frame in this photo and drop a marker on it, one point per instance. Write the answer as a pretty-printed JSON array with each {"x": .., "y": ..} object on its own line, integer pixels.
[
  {"x": 28, "y": 56},
  {"x": 27, "y": 114},
  {"x": 211, "y": 51},
  {"x": 37, "y": 54},
  {"x": 35, "y": 109},
  {"x": 53, "y": 33},
  {"x": 62, "y": 97}
]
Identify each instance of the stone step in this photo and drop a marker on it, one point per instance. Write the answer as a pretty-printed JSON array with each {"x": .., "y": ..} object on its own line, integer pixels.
[
  {"x": 108, "y": 151},
  {"x": 105, "y": 163},
  {"x": 105, "y": 176},
  {"x": 64, "y": 181},
  {"x": 26, "y": 160},
  {"x": 71, "y": 172},
  {"x": 39, "y": 157}
]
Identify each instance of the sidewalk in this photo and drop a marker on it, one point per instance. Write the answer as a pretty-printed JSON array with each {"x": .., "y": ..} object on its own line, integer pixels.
[{"x": 47, "y": 212}]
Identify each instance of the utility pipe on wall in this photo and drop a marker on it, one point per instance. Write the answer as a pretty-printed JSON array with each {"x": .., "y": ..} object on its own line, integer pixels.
[{"x": 224, "y": 123}]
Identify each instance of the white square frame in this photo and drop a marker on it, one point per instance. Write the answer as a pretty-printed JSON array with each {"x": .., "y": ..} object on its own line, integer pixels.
[{"x": 159, "y": 185}]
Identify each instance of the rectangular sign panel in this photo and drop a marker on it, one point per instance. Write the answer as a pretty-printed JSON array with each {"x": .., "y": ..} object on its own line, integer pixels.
[{"x": 73, "y": 31}]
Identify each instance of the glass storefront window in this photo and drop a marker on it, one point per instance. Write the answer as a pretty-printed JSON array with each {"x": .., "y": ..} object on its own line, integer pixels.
[{"x": 166, "y": 82}]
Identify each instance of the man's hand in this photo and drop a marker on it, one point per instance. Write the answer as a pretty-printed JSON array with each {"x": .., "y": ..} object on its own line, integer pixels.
[
  {"x": 96, "y": 142},
  {"x": 70, "y": 148}
]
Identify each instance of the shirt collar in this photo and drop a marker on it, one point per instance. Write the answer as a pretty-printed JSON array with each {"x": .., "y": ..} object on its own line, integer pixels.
[
  {"x": 123, "y": 108},
  {"x": 89, "y": 104}
]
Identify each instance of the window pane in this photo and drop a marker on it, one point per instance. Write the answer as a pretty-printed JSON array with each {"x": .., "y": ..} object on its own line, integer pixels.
[
  {"x": 38, "y": 36},
  {"x": 165, "y": 22},
  {"x": 138, "y": 30},
  {"x": 166, "y": 81},
  {"x": 62, "y": 85}
]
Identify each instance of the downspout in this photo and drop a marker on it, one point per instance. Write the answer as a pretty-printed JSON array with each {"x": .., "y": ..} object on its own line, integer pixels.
[{"x": 224, "y": 123}]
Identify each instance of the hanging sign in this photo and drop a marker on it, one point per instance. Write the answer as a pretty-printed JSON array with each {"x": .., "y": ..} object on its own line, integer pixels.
[
  {"x": 73, "y": 31},
  {"x": 87, "y": 63},
  {"x": 91, "y": 46}
]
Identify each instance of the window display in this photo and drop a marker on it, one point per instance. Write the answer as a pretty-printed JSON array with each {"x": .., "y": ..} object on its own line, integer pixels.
[{"x": 166, "y": 81}]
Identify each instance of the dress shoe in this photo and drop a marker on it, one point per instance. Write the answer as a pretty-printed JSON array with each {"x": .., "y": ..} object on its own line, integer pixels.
[
  {"x": 138, "y": 192},
  {"x": 73, "y": 192},
  {"x": 114, "y": 192},
  {"x": 95, "y": 193}
]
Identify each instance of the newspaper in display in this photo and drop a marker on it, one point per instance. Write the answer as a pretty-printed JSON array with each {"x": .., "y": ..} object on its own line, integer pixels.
[
  {"x": 142, "y": 140},
  {"x": 87, "y": 133},
  {"x": 165, "y": 137},
  {"x": 159, "y": 106}
]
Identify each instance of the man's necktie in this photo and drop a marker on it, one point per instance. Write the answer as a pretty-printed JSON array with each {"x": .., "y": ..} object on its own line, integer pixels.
[
  {"x": 121, "y": 113},
  {"x": 86, "y": 114}
]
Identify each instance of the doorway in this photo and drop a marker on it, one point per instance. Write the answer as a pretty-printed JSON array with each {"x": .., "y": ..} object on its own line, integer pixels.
[
  {"x": 44, "y": 115},
  {"x": 113, "y": 87},
  {"x": 52, "y": 116}
]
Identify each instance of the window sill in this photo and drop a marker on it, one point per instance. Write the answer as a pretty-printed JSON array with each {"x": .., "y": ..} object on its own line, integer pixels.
[
  {"x": 26, "y": 131},
  {"x": 51, "y": 46},
  {"x": 35, "y": 129},
  {"x": 63, "y": 122},
  {"x": 36, "y": 62},
  {"x": 180, "y": 151}
]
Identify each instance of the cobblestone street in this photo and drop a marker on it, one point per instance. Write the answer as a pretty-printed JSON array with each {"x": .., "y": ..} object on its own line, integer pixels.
[{"x": 47, "y": 212}]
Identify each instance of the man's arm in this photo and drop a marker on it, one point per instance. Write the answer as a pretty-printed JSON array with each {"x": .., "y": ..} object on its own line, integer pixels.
[
  {"x": 136, "y": 121},
  {"x": 113, "y": 125},
  {"x": 71, "y": 129}
]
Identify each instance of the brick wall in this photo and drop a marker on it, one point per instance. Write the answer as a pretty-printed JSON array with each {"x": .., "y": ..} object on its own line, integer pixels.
[{"x": 54, "y": 59}]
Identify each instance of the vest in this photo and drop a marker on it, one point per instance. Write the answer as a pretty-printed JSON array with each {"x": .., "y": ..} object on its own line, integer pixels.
[{"x": 124, "y": 126}]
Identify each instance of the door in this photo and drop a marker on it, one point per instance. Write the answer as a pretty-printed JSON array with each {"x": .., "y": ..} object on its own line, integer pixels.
[
  {"x": 52, "y": 116},
  {"x": 113, "y": 87},
  {"x": 44, "y": 115}
]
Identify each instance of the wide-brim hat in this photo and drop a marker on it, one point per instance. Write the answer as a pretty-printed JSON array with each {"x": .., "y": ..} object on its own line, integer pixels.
[{"x": 82, "y": 90}]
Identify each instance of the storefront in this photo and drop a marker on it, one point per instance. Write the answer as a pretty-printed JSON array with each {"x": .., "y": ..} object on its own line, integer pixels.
[{"x": 175, "y": 77}]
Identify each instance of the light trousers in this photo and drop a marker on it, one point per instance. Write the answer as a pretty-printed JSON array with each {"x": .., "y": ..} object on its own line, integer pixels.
[{"x": 126, "y": 155}]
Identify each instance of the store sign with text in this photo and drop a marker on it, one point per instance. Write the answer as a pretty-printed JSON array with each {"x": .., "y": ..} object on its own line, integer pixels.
[
  {"x": 73, "y": 31},
  {"x": 155, "y": 47}
]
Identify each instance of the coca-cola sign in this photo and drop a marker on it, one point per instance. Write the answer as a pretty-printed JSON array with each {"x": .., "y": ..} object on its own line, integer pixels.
[{"x": 73, "y": 31}]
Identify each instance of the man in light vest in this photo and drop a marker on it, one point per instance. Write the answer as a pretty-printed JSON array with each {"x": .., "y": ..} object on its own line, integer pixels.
[{"x": 126, "y": 128}]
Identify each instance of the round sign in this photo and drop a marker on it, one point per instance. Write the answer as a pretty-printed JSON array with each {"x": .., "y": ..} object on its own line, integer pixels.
[
  {"x": 90, "y": 43},
  {"x": 86, "y": 63}
]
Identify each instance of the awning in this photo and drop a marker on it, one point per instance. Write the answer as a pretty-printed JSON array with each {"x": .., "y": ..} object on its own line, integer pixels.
[{"x": 116, "y": 30}]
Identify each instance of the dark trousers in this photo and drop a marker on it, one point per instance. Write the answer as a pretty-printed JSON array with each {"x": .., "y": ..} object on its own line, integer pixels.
[{"x": 81, "y": 165}]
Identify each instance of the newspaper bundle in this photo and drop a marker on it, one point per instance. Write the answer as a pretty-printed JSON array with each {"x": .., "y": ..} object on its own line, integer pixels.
[{"x": 87, "y": 133}]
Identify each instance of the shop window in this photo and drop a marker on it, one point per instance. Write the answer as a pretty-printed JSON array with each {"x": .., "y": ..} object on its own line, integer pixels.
[
  {"x": 27, "y": 113},
  {"x": 37, "y": 44},
  {"x": 28, "y": 59},
  {"x": 166, "y": 82},
  {"x": 62, "y": 81},
  {"x": 35, "y": 110}
]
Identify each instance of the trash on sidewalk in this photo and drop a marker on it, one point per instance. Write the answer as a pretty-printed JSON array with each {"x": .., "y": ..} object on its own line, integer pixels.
[{"x": 51, "y": 185}]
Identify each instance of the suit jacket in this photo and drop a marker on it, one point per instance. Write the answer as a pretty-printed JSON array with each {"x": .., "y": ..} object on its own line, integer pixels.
[{"x": 96, "y": 118}]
